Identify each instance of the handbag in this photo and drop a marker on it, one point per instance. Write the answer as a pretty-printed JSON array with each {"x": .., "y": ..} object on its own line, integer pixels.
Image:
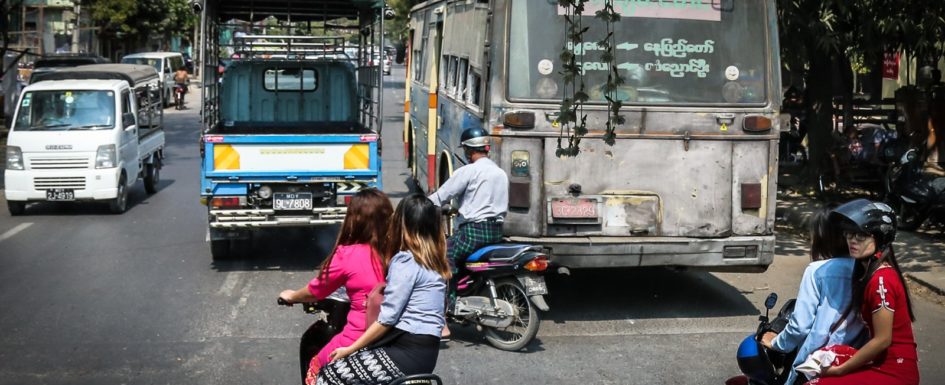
[{"x": 372, "y": 307}]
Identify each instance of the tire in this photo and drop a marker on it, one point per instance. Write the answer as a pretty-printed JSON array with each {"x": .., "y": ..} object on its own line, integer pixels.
[
  {"x": 120, "y": 203},
  {"x": 152, "y": 176},
  {"x": 220, "y": 249},
  {"x": 524, "y": 328},
  {"x": 167, "y": 99},
  {"x": 910, "y": 218},
  {"x": 16, "y": 208}
]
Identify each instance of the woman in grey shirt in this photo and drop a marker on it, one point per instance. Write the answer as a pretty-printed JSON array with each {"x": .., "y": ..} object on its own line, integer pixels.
[{"x": 405, "y": 339}]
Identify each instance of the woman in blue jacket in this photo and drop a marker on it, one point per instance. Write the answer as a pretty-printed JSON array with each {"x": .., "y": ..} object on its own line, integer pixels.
[{"x": 823, "y": 295}]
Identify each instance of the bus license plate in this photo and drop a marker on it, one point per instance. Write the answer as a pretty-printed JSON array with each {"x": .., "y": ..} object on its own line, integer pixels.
[
  {"x": 60, "y": 195},
  {"x": 574, "y": 208},
  {"x": 292, "y": 201},
  {"x": 534, "y": 284}
]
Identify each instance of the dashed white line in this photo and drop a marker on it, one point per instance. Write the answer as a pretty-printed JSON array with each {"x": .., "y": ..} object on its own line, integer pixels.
[{"x": 10, "y": 233}]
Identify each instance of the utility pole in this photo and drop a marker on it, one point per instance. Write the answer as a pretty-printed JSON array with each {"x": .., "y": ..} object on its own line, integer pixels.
[{"x": 76, "y": 31}]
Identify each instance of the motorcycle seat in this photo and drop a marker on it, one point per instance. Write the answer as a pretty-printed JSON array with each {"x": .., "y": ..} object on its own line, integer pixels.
[{"x": 499, "y": 252}]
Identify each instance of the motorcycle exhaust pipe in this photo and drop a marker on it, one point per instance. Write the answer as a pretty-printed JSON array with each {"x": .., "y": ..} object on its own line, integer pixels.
[{"x": 539, "y": 302}]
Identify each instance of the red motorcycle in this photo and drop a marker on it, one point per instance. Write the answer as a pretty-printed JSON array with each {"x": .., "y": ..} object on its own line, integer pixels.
[{"x": 179, "y": 91}]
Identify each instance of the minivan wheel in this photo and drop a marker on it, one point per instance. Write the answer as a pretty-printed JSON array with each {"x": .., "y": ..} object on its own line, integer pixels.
[
  {"x": 16, "y": 208},
  {"x": 120, "y": 203}
]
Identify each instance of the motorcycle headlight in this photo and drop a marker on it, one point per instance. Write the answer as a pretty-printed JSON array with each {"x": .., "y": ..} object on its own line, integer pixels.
[
  {"x": 14, "y": 158},
  {"x": 264, "y": 192},
  {"x": 105, "y": 156}
]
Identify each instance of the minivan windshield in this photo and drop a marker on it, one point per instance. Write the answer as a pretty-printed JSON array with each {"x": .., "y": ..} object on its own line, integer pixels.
[
  {"x": 66, "y": 110},
  {"x": 668, "y": 52},
  {"x": 156, "y": 63}
]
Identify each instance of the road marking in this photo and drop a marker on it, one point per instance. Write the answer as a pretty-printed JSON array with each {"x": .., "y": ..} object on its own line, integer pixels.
[
  {"x": 229, "y": 284},
  {"x": 10, "y": 233}
]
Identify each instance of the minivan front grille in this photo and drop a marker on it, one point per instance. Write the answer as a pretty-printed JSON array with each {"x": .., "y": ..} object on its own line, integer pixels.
[
  {"x": 59, "y": 163},
  {"x": 49, "y": 183}
]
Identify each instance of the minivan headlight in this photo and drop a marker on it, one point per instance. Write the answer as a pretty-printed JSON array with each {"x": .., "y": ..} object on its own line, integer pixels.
[
  {"x": 105, "y": 156},
  {"x": 14, "y": 158}
]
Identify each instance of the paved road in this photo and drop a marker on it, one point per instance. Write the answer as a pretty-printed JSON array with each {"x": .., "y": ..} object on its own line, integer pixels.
[{"x": 92, "y": 298}]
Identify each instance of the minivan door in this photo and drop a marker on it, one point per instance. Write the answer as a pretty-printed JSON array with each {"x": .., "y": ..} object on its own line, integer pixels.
[{"x": 128, "y": 146}]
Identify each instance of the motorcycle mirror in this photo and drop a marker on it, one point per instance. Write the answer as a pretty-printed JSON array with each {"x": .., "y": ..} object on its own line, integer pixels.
[
  {"x": 909, "y": 156},
  {"x": 771, "y": 301}
]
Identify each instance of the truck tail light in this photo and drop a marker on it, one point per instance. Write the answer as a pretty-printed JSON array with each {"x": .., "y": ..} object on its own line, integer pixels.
[
  {"x": 755, "y": 123},
  {"x": 225, "y": 202}
]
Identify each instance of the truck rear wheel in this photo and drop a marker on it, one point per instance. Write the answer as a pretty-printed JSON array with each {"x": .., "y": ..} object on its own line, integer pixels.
[
  {"x": 220, "y": 249},
  {"x": 152, "y": 176},
  {"x": 120, "y": 203},
  {"x": 16, "y": 208}
]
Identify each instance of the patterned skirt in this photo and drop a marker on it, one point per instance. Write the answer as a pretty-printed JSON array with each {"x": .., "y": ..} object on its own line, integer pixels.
[
  {"x": 471, "y": 237},
  {"x": 396, "y": 355}
]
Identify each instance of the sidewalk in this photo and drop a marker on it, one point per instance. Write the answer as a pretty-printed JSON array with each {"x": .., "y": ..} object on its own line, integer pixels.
[{"x": 921, "y": 254}]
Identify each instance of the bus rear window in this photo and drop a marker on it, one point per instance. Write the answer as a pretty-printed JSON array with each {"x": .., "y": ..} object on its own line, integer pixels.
[{"x": 679, "y": 52}]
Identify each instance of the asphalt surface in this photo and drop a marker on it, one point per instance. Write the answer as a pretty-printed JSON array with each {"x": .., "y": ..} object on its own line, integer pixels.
[{"x": 87, "y": 297}]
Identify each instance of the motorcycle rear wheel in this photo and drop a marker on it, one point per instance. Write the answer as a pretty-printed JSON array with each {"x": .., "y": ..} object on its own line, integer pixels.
[
  {"x": 910, "y": 218},
  {"x": 525, "y": 325}
]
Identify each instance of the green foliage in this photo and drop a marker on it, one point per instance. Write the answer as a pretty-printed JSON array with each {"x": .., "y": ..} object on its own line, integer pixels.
[
  {"x": 142, "y": 19},
  {"x": 571, "y": 115}
]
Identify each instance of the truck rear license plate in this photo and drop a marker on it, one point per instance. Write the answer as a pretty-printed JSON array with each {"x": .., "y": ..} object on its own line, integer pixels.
[
  {"x": 60, "y": 195},
  {"x": 292, "y": 201},
  {"x": 574, "y": 208}
]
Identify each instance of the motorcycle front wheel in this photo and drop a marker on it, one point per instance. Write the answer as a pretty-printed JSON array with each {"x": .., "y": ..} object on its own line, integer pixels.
[
  {"x": 525, "y": 325},
  {"x": 910, "y": 217}
]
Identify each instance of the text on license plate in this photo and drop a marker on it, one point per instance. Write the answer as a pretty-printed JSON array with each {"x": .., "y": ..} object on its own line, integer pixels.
[
  {"x": 574, "y": 208},
  {"x": 60, "y": 195},
  {"x": 534, "y": 284},
  {"x": 292, "y": 201}
]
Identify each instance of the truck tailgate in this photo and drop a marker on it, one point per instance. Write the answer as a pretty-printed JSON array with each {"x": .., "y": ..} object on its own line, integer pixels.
[{"x": 293, "y": 158}]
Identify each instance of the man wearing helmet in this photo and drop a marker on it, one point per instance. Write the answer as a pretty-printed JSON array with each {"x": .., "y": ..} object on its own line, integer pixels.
[{"x": 483, "y": 192}]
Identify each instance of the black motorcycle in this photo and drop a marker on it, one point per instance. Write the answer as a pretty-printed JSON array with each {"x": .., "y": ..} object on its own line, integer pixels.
[
  {"x": 179, "y": 91},
  {"x": 915, "y": 195},
  {"x": 332, "y": 314},
  {"x": 760, "y": 365}
]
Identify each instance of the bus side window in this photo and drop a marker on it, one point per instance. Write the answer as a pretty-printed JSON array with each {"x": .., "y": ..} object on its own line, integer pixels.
[
  {"x": 474, "y": 83},
  {"x": 462, "y": 72}
]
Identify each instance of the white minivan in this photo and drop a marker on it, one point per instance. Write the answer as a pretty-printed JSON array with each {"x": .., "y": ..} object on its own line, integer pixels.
[{"x": 165, "y": 63}]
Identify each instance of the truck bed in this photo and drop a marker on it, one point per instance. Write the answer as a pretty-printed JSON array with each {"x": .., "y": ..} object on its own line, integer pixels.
[{"x": 290, "y": 128}]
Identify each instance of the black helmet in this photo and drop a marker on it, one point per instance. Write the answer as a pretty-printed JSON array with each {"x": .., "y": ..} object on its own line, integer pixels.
[
  {"x": 475, "y": 137},
  {"x": 874, "y": 218}
]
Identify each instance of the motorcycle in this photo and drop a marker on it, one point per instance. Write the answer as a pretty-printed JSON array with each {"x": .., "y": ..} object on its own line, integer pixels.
[
  {"x": 500, "y": 289},
  {"x": 179, "y": 91},
  {"x": 760, "y": 365},
  {"x": 915, "y": 195},
  {"x": 332, "y": 314}
]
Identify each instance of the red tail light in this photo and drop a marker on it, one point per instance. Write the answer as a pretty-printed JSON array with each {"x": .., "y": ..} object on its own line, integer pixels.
[
  {"x": 225, "y": 202},
  {"x": 537, "y": 264},
  {"x": 751, "y": 196},
  {"x": 756, "y": 124},
  {"x": 348, "y": 200}
]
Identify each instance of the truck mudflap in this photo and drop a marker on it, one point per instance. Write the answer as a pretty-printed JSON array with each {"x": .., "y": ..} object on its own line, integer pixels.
[{"x": 258, "y": 218}]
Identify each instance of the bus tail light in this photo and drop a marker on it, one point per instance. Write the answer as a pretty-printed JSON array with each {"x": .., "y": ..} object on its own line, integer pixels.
[
  {"x": 751, "y": 196},
  {"x": 756, "y": 123},
  {"x": 520, "y": 120}
]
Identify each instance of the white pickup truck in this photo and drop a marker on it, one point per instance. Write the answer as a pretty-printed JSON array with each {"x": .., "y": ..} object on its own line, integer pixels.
[{"x": 85, "y": 133}]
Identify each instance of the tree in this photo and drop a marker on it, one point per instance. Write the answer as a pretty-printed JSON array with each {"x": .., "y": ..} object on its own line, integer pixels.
[
  {"x": 7, "y": 8},
  {"x": 139, "y": 20}
]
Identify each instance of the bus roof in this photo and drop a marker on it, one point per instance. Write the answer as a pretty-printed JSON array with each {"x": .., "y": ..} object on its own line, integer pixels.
[
  {"x": 131, "y": 73},
  {"x": 300, "y": 10}
]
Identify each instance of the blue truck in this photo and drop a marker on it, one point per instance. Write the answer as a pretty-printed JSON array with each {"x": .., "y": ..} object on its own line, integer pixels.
[{"x": 291, "y": 133}]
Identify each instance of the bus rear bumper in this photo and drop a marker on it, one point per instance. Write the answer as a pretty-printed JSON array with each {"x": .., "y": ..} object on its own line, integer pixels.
[{"x": 732, "y": 254}]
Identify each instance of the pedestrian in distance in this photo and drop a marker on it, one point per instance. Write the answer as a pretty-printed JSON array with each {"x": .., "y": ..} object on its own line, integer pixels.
[
  {"x": 881, "y": 297},
  {"x": 824, "y": 294},
  {"x": 356, "y": 264},
  {"x": 405, "y": 339}
]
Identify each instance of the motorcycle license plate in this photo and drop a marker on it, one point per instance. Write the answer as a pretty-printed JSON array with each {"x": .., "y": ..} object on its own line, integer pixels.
[
  {"x": 60, "y": 195},
  {"x": 534, "y": 284},
  {"x": 292, "y": 201}
]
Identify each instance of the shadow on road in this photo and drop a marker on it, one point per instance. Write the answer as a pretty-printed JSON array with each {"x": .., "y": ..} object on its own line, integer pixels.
[{"x": 284, "y": 249}]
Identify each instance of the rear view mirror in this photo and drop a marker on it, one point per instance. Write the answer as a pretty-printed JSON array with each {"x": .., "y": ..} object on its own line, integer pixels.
[
  {"x": 771, "y": 301},
  {"x": 127, "y": 119}
]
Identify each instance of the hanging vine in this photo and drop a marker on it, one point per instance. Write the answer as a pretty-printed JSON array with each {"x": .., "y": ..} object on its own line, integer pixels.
[
  {"x": 614, "y": 80},
  {"x": 571, "y": 114}
]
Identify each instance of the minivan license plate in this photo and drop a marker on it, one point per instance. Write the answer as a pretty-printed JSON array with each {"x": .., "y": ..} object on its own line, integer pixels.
[
  {"x": 292, "y": 201},
  {"x": 60, "y": 195}
]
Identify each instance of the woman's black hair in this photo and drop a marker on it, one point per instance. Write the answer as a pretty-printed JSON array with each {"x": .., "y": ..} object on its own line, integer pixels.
[
  {"x": 826, "y": 237},
  {"x": 863, "y": 273}
]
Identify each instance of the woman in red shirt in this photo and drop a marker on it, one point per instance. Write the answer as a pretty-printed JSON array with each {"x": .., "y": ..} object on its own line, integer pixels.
[{"x": 881, "y": 296}]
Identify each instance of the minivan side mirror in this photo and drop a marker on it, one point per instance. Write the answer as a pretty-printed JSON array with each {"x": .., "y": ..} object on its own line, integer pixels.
[{"x": 127, "y": 119}]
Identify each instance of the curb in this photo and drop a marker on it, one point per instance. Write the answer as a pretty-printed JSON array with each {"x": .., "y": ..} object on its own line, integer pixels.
[{"x": 925, "y": 284}]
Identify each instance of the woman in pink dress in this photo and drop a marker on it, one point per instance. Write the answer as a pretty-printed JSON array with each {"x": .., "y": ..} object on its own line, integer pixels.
[{"x": 354, "y": 264}]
